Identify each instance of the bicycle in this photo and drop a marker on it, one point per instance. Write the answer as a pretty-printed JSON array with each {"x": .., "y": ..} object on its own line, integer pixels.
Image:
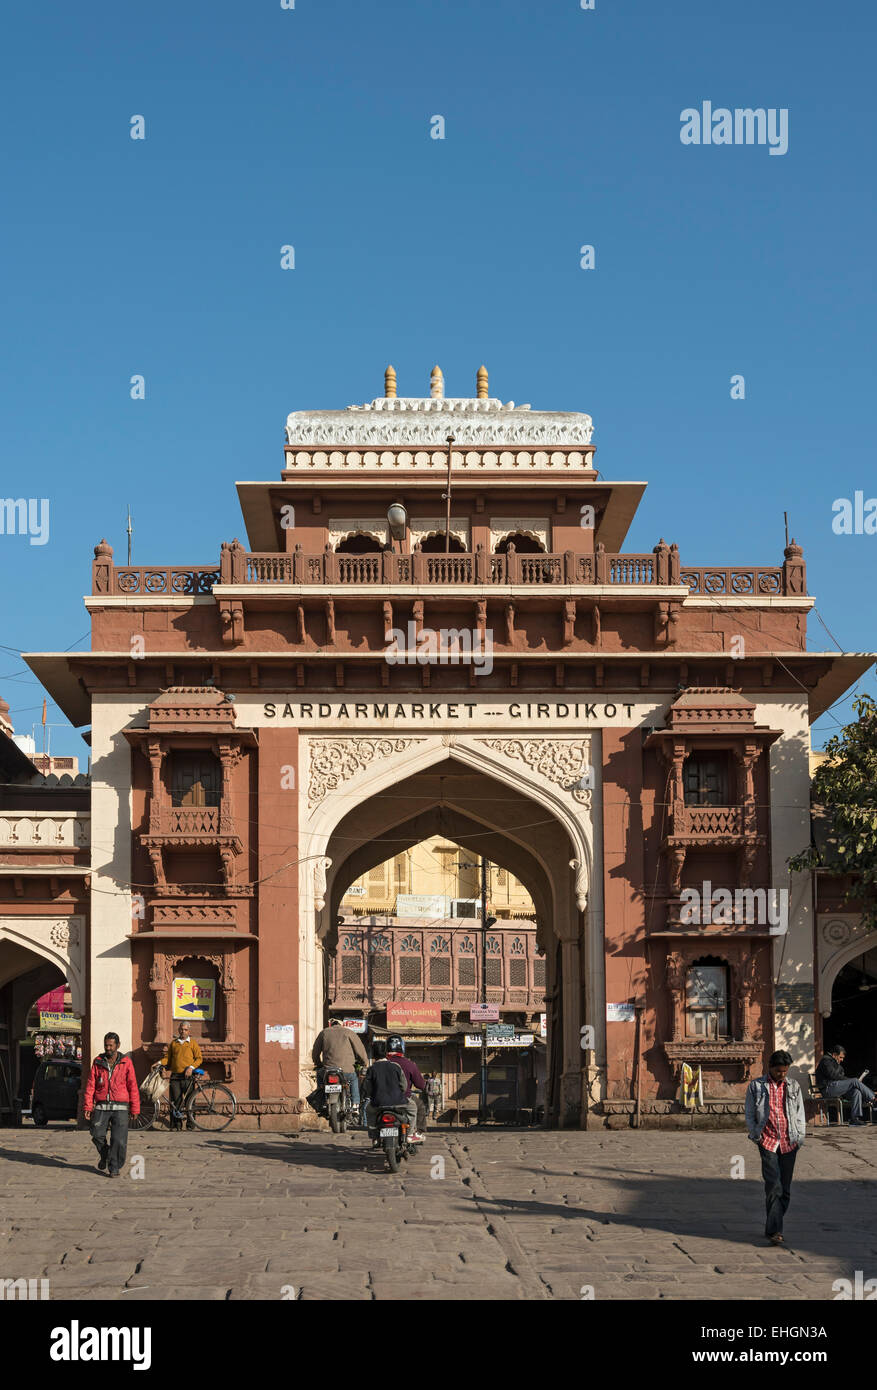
[{"x": 208, "y": 1105}]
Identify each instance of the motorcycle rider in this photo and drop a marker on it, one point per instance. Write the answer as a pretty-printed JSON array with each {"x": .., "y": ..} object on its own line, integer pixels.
[
  {"x": 339, "y": 1048},
  {"x": 396, "y": 1053},
  {"x": 384, "y": 1087}
]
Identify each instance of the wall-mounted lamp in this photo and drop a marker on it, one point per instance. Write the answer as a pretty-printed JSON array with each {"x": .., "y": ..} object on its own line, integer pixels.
[{"x": 397, "y": 519}]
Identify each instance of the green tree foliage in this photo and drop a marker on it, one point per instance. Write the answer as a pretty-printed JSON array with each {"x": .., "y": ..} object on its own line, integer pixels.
[{"x": 845, "y": 786}]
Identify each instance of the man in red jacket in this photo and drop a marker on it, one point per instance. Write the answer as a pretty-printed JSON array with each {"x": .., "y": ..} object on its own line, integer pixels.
[{"x": 111, "y": 1090}]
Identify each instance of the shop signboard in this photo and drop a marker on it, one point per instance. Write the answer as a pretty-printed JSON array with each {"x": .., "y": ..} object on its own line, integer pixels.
[
  {"x": 522, "y": 1040},
  {"x": 620, "y": 1013},
  {"x": 543, "y": 1025},
  {"x": 422, "y": 905},
  {"x": 484, "y": 1013},
  {"x": 500, "y": 1030},
  {"x": 413, "y": 1017},
  {"x": 51, "y": 1022},
  {"x": 356, "y": 1025},
  {"x": 194, "y": 998}
]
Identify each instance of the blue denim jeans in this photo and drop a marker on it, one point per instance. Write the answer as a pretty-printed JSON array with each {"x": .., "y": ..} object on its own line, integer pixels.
[
  {"x": 353, "y": 1082},
  {"x": 777, "y": 1170},
  {"x": 853, "y": 1090}
]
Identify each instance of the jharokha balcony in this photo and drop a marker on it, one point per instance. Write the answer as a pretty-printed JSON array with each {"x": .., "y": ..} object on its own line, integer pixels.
[{"x": 331, "y": 569}]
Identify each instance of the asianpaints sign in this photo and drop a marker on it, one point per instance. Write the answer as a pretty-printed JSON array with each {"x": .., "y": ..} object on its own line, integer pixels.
[{"x": 414, "y": 1017}]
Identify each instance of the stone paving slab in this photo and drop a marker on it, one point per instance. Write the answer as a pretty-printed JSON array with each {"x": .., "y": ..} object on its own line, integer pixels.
[{"x": 516, "y": 1215}]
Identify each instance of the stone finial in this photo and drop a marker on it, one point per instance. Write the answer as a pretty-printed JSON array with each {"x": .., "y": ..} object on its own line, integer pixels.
[
  {"x": 481, "y": 383},
  {"x": 793, "y": 550},
  {"x": 436, "y": 383},
  {"x": 390, "y": 383},
  {"x": 103, "y": 550}
]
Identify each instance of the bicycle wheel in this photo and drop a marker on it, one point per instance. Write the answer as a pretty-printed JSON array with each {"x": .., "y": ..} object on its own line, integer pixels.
[
  {"x": 148, "y": 1112},
  {"x": 212, "y": 1107}
]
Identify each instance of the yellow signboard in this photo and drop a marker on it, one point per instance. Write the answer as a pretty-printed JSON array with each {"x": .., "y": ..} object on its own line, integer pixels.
[
  {"x": 194, "y": 998},
  {"x": 59, "y": 1023}
]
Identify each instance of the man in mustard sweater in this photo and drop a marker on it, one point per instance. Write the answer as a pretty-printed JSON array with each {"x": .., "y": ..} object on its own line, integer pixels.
[{"x": 181, "y": 1058}]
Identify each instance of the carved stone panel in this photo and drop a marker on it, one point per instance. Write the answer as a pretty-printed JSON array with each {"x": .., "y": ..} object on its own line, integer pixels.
[
  {"x": 561, "y": 761},
  {"x": 335, "y": 760}
]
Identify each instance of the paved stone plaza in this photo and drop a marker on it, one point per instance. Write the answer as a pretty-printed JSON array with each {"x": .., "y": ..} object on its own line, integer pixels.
[{"x": 516, "y": 1214}]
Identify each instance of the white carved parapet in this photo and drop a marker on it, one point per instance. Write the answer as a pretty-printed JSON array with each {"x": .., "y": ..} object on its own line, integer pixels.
[
  {"x": 428, "y": 420},
  {"x": 45, "y": 830}
]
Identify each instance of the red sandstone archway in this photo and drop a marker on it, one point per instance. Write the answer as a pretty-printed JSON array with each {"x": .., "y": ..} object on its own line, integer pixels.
[{"x": 511, "y": 829}]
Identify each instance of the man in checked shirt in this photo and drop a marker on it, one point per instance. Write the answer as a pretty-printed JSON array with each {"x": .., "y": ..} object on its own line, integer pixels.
[{"x": 775, "y": 1121}]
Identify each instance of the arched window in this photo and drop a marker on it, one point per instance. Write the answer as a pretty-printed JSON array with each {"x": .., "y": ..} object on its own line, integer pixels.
[
  {"x": 435, "y": 545},
  {"x": 359, "y": 544},
  {"x": 706, "y": 998},
  {"x": 524, "y": 544}
]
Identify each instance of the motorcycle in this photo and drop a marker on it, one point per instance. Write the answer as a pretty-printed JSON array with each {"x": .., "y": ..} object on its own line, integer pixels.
[
  {"x": 391, "y": 1134},
  {"x": 338, "y": 1106}
]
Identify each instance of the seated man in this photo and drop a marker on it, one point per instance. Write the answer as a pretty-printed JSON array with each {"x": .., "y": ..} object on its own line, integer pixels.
[
  {"x": 384, "y": 1087},
  {"x": 831, "y": 1081}
]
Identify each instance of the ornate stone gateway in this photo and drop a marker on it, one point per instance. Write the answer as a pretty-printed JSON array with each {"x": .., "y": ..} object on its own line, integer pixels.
[{"x": 433, "y": 627}]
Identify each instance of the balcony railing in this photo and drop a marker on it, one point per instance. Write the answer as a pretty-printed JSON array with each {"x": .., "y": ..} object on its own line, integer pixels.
[
  {"x": 709, "y": 821},
  {"x": 186, "y": 821},
  {"x": 328, "y": 568}
]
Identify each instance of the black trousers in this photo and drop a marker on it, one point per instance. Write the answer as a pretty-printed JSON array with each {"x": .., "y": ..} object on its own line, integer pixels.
[
  {"x": 180, "y": 1084},
  {"x": 777, "y": 1170},
  {"x": 115, "y": 1147}
]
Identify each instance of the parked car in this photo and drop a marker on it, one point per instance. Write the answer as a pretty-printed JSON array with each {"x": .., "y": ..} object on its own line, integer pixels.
[{"x": 55, "y": 1092}]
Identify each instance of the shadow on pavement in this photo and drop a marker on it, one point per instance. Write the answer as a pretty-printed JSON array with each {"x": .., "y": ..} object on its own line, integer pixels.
[
  {"x": 823, "y": 1218},
  {"x": 339, "y": 1158},
  {"x": 42, "y": 1160}
]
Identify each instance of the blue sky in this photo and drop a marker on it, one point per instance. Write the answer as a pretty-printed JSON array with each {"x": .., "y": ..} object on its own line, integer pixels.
[{"x": 311, "y": 127}]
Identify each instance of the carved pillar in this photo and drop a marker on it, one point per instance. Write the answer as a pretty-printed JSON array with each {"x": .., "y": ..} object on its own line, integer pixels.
[
  {"x": 158, "y": 986},
  {"x": 675, "y": 981},
  {"x": 569, "y": 621},
  {"x": 510, "y": 624},
  {"x": 662, "y": 562},
  {"x": 481, "y": 622},
  {"x": 229, "y": 989},
  {"x": 571, "y": 1076},
  {"x": 102, "y": 568},
  {"x": 238, "y": 562},
  {"x": 155, "y": 753},
  {"x": 794, "y": 571}
]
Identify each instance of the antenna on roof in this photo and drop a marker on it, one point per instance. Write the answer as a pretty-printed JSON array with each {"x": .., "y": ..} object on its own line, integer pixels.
[
  {"x": 786, "y": 520},
  {"x": 130, "y": 530}
]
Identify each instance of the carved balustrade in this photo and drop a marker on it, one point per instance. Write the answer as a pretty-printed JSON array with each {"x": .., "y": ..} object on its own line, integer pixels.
[{"x": 659, "y": 567}]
